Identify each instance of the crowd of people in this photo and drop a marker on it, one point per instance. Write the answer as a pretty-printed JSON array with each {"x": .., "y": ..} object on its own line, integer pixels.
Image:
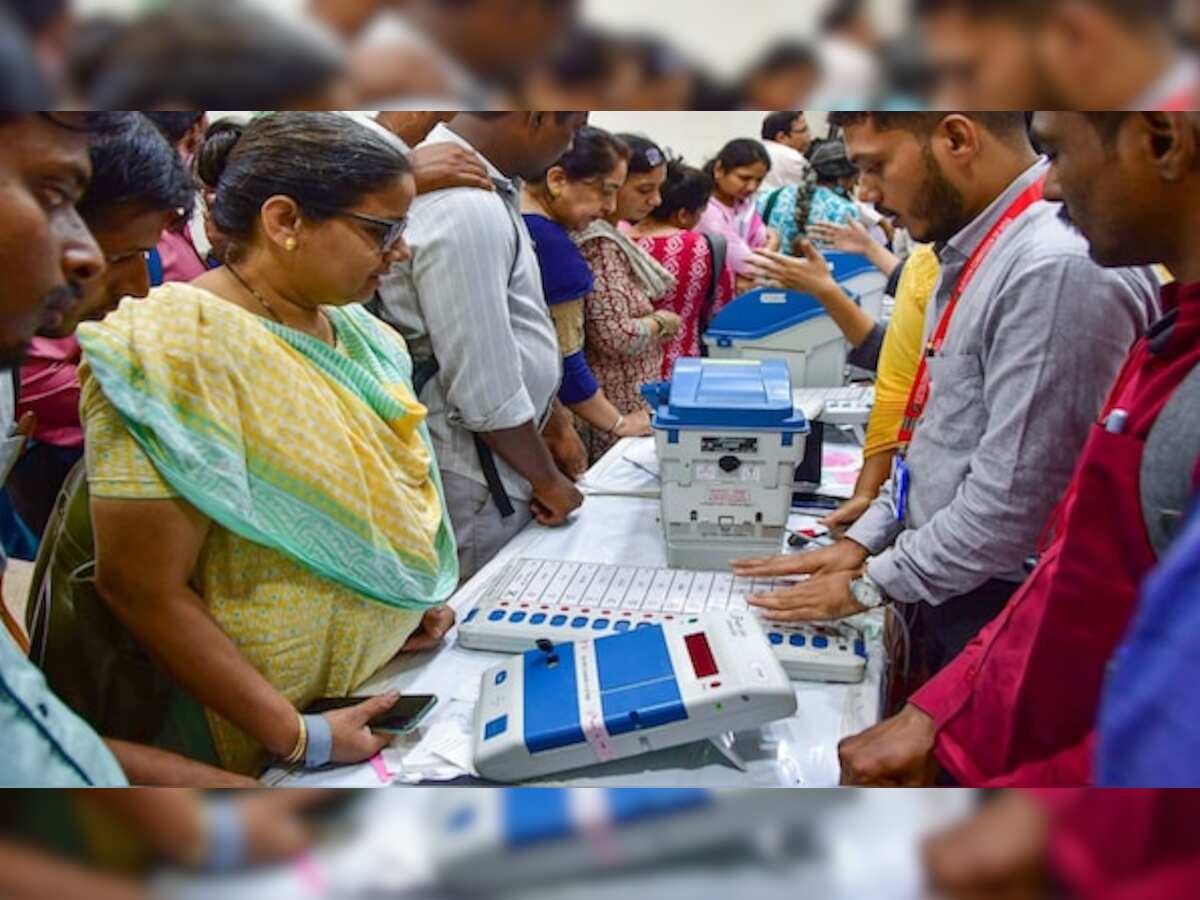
[
  {"x": 277, "y": 387},
  {"x": 546, "y": 54}
]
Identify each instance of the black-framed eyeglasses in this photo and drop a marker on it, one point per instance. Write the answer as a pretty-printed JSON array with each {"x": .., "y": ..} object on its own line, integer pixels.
[{"x": 390, "y": 230}]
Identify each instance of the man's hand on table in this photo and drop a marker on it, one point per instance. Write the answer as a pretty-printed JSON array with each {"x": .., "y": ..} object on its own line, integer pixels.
[
  {"x": 823, "y": 596},
  {"x": 553, "y": 503},
  {"x": 897, "y": 752},
  {"x": 1001, "y": 852}
]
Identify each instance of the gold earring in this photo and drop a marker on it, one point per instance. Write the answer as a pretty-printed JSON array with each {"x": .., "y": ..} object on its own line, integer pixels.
[{"x": 289, "y": 244}]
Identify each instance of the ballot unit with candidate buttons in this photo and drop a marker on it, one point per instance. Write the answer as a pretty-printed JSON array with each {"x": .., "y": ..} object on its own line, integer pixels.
[
  {"x": 566, "y": 706},
  {"x": 534, "y": 600}
]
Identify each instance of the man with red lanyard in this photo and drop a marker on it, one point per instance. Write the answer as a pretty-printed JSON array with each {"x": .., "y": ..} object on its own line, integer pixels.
[
  {"x": 1025, "y": 336},
  {"x": 1019, "y": 705}
]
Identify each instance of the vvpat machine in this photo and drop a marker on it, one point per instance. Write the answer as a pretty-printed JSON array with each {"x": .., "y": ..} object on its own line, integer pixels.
[
  {"x": 772, "y": 323},
  {"x": 729, "y": 440},
  {"x": 570, "y": 705}
]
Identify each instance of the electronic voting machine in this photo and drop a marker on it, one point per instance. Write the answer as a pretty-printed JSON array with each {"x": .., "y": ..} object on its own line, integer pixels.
[
  {"x": 555, "y": 600},
  {"x": 569, "y": 705}
]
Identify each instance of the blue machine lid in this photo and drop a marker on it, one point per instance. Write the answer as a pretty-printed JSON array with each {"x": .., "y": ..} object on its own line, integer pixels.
[
  {"x": 761, "y": 313},
  {"x": 848, "y": 265},
  {"x": 727, "y": 394}
]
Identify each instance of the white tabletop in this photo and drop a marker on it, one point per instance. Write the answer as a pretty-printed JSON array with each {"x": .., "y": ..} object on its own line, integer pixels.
[{"x": 617, "y": 525}]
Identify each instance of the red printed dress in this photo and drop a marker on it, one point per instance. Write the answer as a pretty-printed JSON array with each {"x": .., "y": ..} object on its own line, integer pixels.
[{"x": 687, "y": 256}]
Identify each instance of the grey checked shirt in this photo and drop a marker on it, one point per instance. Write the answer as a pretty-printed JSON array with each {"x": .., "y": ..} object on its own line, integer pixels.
[
  {"x": 471, "y": 295},
  {"x": 1031, "y": 354}
]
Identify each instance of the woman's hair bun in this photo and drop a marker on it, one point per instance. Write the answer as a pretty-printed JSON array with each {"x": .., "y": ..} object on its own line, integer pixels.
[{"x": 219, "y": 141}]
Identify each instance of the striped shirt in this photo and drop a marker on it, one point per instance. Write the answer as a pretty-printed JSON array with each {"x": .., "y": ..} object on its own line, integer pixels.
[{"x": 471, "y": 296}]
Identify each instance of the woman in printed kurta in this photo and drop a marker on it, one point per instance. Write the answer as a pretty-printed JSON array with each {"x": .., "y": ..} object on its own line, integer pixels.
[{"x": 624, "y": 332}]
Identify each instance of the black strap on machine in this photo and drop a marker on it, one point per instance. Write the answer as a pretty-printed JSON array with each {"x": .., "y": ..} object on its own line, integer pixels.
[{"x": 424, "y": 372}]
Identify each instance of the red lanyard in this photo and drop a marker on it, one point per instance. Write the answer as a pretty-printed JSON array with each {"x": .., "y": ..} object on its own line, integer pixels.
[{"x": 918, "y": 397}]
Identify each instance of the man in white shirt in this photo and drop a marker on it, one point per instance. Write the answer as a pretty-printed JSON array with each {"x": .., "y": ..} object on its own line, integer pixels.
[
  {"x": 470, "y": 296},
  {"x": 787, "y": 138}
]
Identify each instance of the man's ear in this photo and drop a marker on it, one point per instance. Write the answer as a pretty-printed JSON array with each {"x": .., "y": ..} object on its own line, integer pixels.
[{"x": 1170, "y": 141}]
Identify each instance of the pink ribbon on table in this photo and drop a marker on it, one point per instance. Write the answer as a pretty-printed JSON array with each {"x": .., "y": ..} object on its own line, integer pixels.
[{"x": 385, "y": 775}]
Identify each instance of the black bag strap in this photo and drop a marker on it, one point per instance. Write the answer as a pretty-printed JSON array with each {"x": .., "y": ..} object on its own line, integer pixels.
[{"x": 424, "y": 371}]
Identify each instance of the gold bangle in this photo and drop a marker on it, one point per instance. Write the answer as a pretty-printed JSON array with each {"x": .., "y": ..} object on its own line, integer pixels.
[
  {"x": 620, "y": 421},
  {"x": 297, "y": 755}
]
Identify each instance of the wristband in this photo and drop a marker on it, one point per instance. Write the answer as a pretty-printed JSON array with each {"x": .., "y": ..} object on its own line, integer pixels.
[
  {"x": 617, "y": 427},
  {"x": 226, "y": 836},
  {"x": 320, "y": 742}
]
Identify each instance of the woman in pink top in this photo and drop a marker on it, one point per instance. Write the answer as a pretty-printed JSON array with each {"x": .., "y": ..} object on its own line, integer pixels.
[{"x": 738, "y": 172}]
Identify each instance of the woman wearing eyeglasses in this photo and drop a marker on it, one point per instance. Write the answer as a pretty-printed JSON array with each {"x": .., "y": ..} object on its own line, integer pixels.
[{"x": 268, "y": 512}]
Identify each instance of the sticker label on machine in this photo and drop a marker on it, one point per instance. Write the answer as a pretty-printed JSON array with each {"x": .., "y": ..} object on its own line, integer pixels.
[{"x": 710, "y": 471}]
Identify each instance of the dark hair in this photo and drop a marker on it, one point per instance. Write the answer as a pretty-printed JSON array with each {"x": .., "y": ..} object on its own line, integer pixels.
[
  {"x": 34, "y": 15},
  {"x": 686, "y": 188},
  {"x": 1005, "y": 125},
  {"x": 738, "y": 153},
  {"x": 324, "y": 161},
  {"x": 175, "y": 125},
  {"x": 778, "y": 122},
  {"x": 644, "y": 155},
  {"x": 132, "y": 162},
  {"x": 595, "y": 152},
  {"x": 212, "y": 56}
]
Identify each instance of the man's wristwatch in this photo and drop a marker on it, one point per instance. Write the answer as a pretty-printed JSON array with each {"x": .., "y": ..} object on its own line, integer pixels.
[{"x": 866, "y": 592}]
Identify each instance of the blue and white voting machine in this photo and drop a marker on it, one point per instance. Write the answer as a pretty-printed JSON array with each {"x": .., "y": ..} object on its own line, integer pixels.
[{"x": 569, "y": 705}]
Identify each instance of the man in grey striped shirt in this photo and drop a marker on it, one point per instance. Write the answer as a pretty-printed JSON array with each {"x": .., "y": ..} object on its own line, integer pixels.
[
  {"x": 1031, "y": 352},
  {"x": 471, "y": 297}
]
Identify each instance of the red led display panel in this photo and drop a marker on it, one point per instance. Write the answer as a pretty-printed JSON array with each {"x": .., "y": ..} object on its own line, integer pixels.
[{"x": 703, "y": 661}]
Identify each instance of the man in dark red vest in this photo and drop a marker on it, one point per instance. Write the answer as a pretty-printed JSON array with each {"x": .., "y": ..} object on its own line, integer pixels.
[{"x": 1018, "y": 706}]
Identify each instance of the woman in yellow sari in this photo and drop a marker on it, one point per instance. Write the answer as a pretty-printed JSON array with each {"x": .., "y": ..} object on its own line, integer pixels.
[{"x": 267, "y": 511}]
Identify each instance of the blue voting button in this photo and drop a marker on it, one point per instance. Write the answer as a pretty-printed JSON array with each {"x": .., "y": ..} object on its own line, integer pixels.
[
  {"x": 495, "y": 728},
  {"x": 796, "y": 640},
  {"x": 537, "y": 618},
  {"x": 820, "y": 643},
  {"x": 775, "y": 638},
  {"x": 501, "y": 677},
  {"x": 496, "y": 615},
  {"x": 559, "y": 621},
  {"x": 517, "y": 617},
  {"x": 579, "y": 622}
]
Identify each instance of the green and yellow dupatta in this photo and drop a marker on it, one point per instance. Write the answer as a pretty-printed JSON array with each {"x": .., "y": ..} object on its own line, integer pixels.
[{"x": 283, "y": 440}]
